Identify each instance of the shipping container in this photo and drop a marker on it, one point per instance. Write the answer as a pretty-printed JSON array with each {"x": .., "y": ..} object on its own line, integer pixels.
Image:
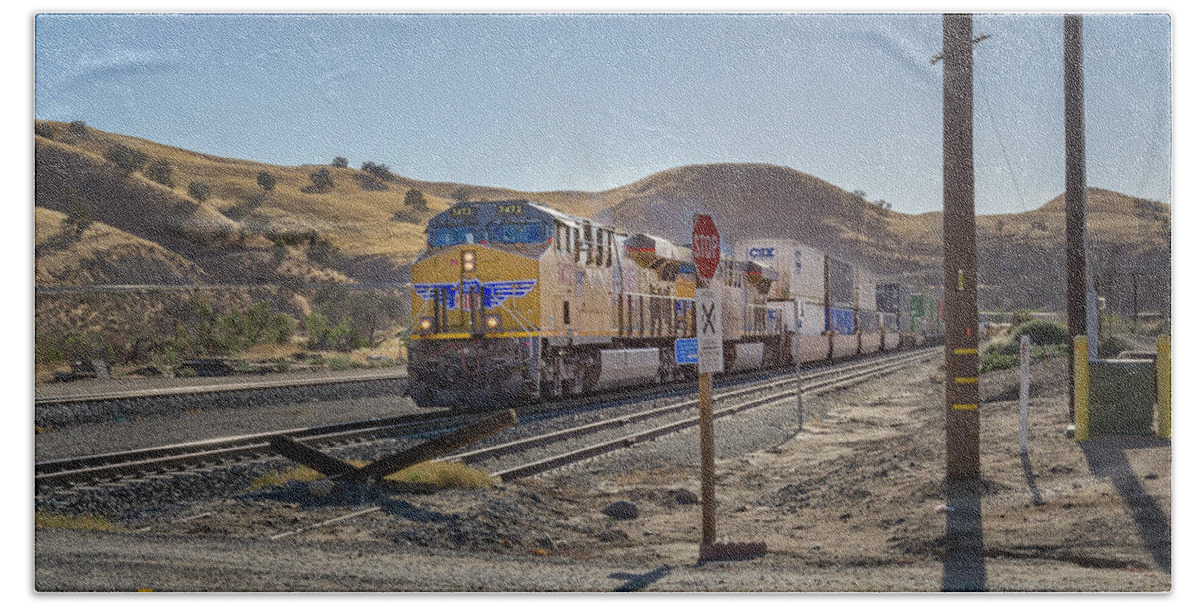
[
  {"x": 841, "y": 283},
  {"x": 893, "y": 298},
  {"x": 864, "y": 288}
]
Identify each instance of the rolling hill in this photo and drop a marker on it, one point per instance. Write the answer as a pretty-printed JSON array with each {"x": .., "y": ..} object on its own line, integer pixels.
[{"x": 243, "y": 234}]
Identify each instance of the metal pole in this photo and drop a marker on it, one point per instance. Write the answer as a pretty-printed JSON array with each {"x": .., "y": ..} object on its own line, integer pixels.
[
  {"x": 1076, "y": 188},
  {"x": 961, "y": 308}
]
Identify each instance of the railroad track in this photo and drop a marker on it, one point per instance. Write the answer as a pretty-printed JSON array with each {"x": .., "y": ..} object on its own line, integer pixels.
[
  {"x": 772, "y": 391},
  {"x": 683, "y": 414},
  {"x": 184, "y": 456}
]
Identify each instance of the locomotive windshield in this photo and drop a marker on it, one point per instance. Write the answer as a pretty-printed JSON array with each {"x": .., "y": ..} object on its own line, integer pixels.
[
  {"x": 451, "y": 235},
  {"x": 518, "y": 232}
]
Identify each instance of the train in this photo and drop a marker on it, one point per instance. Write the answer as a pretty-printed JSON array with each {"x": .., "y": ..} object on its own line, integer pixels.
[{"x": 516, "y": 301}]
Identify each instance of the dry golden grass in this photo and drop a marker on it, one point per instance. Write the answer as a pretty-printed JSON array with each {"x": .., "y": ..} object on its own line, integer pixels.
[
  {"x": 73, "y": 522},
  {"x": 271, "y": 479},
  {"x": 439, "y": 475}
]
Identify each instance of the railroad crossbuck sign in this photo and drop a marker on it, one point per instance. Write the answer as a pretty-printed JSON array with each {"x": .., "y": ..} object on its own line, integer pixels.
[{"x": 708, "y": 331}]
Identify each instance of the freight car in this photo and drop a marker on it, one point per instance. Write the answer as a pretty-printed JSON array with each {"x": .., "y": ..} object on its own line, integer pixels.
[{"x": 513, "y": 300}]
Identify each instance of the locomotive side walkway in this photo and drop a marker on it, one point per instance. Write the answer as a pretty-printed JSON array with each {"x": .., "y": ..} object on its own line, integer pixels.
[{"x": 127, "y": 387}]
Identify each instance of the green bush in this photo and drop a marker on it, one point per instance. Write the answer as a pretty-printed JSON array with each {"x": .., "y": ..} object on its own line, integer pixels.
[
  {"x": 321, "y": 180},
  {"x": 78, "y": 128},
  {"x": 266, "y": 181},
  {"x": 1042, "y": 332},
  {"x": 1111, "y": 346},
  {"x": 160, "y": 171},
  {"x": 990, "y": 362},
  {"x": 996, "y": 359},
  {"x": 88, "y": 345},
  {"x": 416, "y": 199},
  {"x": 125, "y": 158}
]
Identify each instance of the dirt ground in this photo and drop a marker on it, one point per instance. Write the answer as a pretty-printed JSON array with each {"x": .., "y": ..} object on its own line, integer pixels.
[{"x": 854, "y": 503}]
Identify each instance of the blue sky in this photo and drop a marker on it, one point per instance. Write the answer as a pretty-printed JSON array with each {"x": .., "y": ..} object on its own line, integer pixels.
[{"x": 590, "y": 102}]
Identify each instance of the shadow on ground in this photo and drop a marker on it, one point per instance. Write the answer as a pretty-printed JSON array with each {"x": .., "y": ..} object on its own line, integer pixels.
[
  {"x": 963, "y": 569},
  {"x": 637, "y": 582},
  {"x": 1106, "y": 457}
]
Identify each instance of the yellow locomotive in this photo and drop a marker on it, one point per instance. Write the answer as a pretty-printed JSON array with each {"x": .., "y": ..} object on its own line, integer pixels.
[{"x": 513, "y": 300}]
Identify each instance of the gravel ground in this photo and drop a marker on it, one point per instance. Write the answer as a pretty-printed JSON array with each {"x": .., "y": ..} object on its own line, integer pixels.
[{"x": 849, "y": 504}]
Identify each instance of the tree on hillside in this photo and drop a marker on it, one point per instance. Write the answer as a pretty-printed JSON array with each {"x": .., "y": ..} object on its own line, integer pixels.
[
  {"x": 125, "y": 158},
  {"x": 266, "y": 181},
  {"x": 340, "y": 162},
  {"x": 199, "y": 191},
  {"x": 859, "y": 194},
  {"x": 42, "y": 129},
  {"x": 416, "y": 199},
  {"x": 78, "y": 128},
  {"x": 160, "y": 171},
  {"x": 461, "y": 195},
  {"x": 321, "y": 180},
  {"x": 379, "y": 170},
  {"x": 79, "y": 213}
]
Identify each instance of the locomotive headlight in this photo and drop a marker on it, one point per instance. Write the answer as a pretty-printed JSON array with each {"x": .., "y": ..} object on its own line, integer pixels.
[
  {"x": 425, "y": 324},
  {"x": 468, "y": 261},
  {"x": 492, "y": 322}
]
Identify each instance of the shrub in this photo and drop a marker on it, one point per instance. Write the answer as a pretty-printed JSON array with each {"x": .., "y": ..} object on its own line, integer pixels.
[
  {"x": 78, "y": 128},
  {"x": 321, "y": 180},
  {"x": 369, "y": 183},
  {"x": 160, "y": 171},
  {"x": 1021, "y": 316},
  {"x": 340, "y": 162},
  {"x": 42, "y": 129},
  {"x": 266, "y": 181},
  {"x": 416, "y": 199},
  {"x": 79, "y": 214},
  {"x": 339, "y": 363},
  {"x": 199, "y": 191},
  {"x": 1111, "y": 346},
  {"x": 379, "y": 170},
  {"x": 1042, "y": 332},
  {"x": 461, "y": 195},
  {"x": 86, "y": 346},
  {"x": 125, "y": 158}
]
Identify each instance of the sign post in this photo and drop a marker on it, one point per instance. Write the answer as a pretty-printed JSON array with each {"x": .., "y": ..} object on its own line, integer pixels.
[{"x": 706, "y": 253}]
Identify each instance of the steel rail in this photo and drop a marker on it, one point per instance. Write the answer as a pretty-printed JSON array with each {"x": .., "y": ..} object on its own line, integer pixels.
[
  {"x": 68, "y": 471},
  {"x": 520, "y": 444}
]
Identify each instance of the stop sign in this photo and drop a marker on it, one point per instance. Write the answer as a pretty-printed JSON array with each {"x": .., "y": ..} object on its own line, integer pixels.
[{"x": 706, "y": 246}]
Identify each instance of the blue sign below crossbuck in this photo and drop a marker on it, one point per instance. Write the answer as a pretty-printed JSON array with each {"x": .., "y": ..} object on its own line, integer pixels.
[{"x": 687, "y": 351}]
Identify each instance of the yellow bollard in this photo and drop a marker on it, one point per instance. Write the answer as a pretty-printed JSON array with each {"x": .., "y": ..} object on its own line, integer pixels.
[
  {"x": 1164, "y": 387},
  {"x": 1081, "y": 388}
]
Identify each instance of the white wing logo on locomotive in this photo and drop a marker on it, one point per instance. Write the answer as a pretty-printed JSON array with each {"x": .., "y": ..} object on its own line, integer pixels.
[{"x": 494, "y": 294}]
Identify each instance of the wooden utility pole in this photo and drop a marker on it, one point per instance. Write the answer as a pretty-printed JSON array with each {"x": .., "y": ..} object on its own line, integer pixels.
[
  {"x": 706, "y": 253},
  {"x": 961, "y": 307},
  {"x": 1076, "y": 191}
]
